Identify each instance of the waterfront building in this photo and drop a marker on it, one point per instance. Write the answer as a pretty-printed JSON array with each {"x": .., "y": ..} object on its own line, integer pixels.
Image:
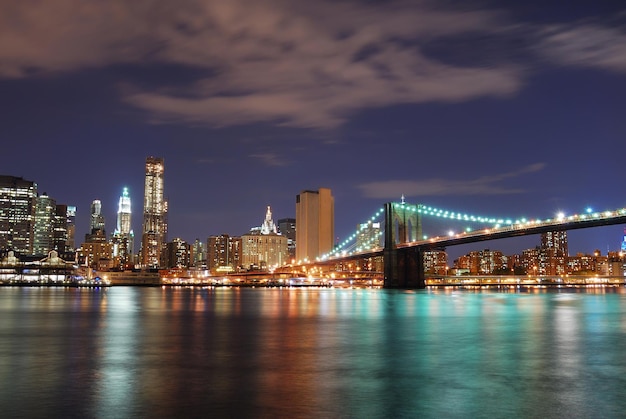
[
  {"x": 315, "y": 218},
  {"x": 97, "y": 218},
  {"x": 177, "y": 254},
  {"x": 287, "y": 227},
  {"x": 123, "y": 237},
  {"x": 64, "y": 230},
  {"x": 553, "y": 253},
  {"x": 223, "y": 253},
  {"x": 435, "y": 262},
  {"x": 154, "y": 234},
  {"x": 623, "y": 247},
  {"x": 17, "y": 214},
  {"x": 45, "y": 214},
  {"x": 264, "y": 247},
  {"x": 483, "y": 262},
  {"x": 96, "y": 252},
  {"x": 198, "y": 254},
  {"x": 368, "y": 236}
]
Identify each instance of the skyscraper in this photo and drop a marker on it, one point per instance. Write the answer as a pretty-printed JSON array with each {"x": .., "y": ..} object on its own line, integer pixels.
[
  {"x": 263, "y": 247},
  {"x": 45, "y": 212},
  {"x": 553, "y": 253},
  {"x": 315, "y": 218},
  {"x": 97, "y": 219},
  {"x": 154, "y": 234},
  {"x": 123, "y": 237},
  {"x": 17, "y": 214}
]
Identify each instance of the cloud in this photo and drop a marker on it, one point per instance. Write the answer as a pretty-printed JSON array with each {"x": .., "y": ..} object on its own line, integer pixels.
[
  {"x": 310, "y": 64},
  {"x": 292, "y": 63},
  {"x": 269, "y": 159},
  {"x": 433, "y": 187},
  {"x": 585, "y": 45}
]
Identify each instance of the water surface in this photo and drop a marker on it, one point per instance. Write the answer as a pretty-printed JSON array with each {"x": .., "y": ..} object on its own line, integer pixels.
[{"x": 126, "y": 352}]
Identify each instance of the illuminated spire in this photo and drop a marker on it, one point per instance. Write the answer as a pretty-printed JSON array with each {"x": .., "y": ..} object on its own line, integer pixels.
[{"x": 268, "y": 226}]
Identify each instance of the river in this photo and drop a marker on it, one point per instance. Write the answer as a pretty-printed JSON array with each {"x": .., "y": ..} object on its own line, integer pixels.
[{"x": 142, "y": 352}]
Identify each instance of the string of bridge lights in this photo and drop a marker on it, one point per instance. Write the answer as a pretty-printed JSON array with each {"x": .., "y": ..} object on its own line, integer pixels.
[{"x": 348, "y": 246}]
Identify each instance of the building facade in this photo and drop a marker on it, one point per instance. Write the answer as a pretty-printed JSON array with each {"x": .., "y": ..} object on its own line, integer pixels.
[
  {"x": 123, "y": 237},
  {"x": 17, "y": 214},
  {"x": 154, "y": 234},
  {"x": 315, "y": 218},
  {"x": 45, "y": 217},
  {"x": 223, "y": 253},
  {"x": 264, "y": 248}
]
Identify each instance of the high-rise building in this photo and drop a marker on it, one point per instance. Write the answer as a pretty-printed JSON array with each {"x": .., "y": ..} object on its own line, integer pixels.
[
  {"x": 123, "y": 237},
  {"x": 287, "y": 227},
  {"x": 71, "y": 228},
  {"x": 17, "y": 214},
  {"x": 223, "y": 253},
  {"x": 264, "y": 247},
  {"x": 315, "y": 218},
  {"x": 177, "y": 254},
  {"x": 154, "y": 233},
  {"x": 97, "y": 218},
  {"x": 45, "y": 212},
  {"x": 553, "y": 253},
  {"x": 198, "y": 254},
  {"x": 368, "y": 237},
  {"x": 623, "y": 248}
]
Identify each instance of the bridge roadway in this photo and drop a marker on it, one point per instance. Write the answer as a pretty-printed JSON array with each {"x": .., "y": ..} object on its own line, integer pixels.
[{"x": 404, "y": 264}]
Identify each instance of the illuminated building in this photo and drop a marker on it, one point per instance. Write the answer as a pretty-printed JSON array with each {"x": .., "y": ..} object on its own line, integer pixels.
[
  {"x": 198, "y": 254},
  {"x": 45, "y": 211},
  {"x": 553, "y": 253},
  {"x": 17, "y": 214},
  {"x": 368, "y": 236},
  {"x": 154, "y": 233},
  {"x": 223, "y": 253},
  {"x": 435, "y": 262},
  {"x": 264, "y": 247},
  {"x": 65, "y": 229},
  {"x": 97, "y": 219},
  {"x": 315, "y": 218},
  {"x": 177, "y": 254},
  {"x": 287, "y": 227},
  {"x": 624, "y": 242},
  {"x": 123, "y": 237},
  {"x": 482, "y": 262}
]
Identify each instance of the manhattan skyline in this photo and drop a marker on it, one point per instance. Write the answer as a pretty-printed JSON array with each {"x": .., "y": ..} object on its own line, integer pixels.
[{"x": 492, "y": 108}]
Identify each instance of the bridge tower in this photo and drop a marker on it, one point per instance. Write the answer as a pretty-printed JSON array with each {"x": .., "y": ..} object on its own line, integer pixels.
[{"x": 403, "y": 266}]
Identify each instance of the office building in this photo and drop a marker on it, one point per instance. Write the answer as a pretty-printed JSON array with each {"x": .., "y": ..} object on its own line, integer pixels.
[
  {"x": 264, "y": 248},
  {"x": 154, "y": 234},
  {"x": 97, "y": 218},
  {"x": 223, "y": 253},
  {"x": 315, "y": 218},
  {"x": 369, "y": 236},
  {"x": 177, "y": 254},
  {"x": 287, "y": 227},
  {"x": 123, "y": 237},
  {"x": 17, "y": 214},
  {"x": 553, "y": 253},
  {"x": 45, "y": 214}
]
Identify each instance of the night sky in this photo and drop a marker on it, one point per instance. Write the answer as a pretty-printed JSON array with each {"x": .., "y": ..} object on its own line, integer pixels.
[{"x": 505, "y": 109}]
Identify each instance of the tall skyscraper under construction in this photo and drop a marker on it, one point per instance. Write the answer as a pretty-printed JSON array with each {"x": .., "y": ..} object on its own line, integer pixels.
[
  {"x": 154, "y": 235},
  {"x": 315, "y": 220}
]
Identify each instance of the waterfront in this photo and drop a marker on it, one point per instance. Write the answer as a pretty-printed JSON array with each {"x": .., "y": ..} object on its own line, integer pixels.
[{"x": 271, "y": 352}]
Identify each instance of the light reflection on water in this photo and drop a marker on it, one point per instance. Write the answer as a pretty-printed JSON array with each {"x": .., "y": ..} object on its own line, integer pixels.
[{"x": 206, "y": 352}]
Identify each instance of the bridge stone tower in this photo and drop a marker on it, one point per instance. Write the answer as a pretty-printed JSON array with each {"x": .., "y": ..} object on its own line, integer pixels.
[{"x": 403, "y": 266}]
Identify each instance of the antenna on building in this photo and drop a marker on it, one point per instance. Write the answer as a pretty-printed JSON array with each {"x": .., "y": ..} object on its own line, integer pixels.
[{"x": 402, "y": 199}]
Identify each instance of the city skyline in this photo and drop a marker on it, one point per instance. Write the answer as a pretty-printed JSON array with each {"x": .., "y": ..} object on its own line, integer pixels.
[{"x": 507, "y": 110}]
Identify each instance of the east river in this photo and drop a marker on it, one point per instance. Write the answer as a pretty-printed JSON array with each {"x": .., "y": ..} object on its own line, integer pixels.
[{"x": 134, "y": 352}]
